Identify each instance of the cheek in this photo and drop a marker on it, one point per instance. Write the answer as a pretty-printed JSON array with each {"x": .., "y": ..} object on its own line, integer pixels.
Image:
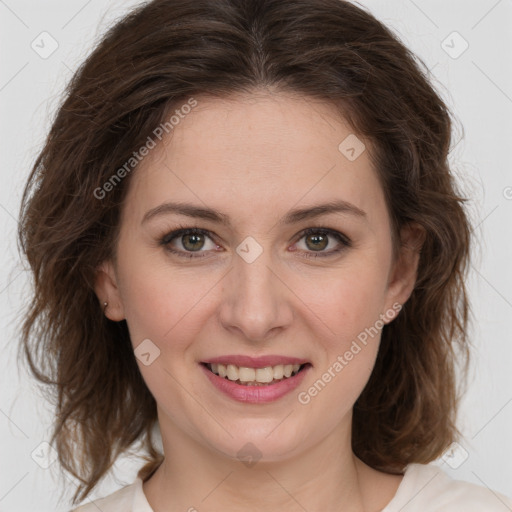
[
  {"x": 350, "y": 307},
  {"x": 163, "y": 307},
  {"x": 164, "y": 304},
  {"x": 349, "y": 304},
  {"x": 348, "y": 300},
  {"x": 147, "y": 306}
]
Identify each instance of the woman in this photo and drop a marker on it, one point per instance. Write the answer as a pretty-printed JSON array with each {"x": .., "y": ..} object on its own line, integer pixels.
[{"x": 245, "y": 235}]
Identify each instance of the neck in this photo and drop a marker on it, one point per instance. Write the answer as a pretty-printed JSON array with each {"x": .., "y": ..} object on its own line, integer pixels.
[{"x": 327, "y": 476}]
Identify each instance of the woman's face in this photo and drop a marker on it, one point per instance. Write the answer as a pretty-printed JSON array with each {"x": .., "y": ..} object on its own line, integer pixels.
[{"x": 252, "y": 284}]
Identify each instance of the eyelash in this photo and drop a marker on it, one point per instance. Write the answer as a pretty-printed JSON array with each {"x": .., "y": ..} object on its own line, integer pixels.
[{"x": 344, "y": 241}]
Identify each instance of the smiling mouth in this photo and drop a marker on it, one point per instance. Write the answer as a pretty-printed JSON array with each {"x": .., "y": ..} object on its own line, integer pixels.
[{"x": 246, "y": 376}]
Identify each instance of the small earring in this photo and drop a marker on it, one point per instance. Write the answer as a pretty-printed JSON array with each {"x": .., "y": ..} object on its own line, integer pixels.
[{"x": 105, "y": 304}]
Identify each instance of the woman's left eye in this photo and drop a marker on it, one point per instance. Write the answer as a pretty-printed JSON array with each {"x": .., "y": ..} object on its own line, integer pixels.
[
  {"x": 317, "y": 239},
  {"x": 193, "y": 240}
]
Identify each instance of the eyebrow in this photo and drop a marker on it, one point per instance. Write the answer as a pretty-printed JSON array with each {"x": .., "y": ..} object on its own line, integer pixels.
[{"x": 292, "y": 217}]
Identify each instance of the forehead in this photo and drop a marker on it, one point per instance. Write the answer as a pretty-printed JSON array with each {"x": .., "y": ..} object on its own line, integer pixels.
[
  {"x": 262, "y": 133},
  {"x": 258, "y": 150}
]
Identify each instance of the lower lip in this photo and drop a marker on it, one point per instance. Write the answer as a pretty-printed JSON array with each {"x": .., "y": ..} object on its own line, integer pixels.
[{"x": 255, "y": 394}]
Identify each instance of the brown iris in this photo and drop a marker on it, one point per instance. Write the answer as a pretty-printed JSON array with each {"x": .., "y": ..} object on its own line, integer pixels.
[
  {"x": 193, "y": 241},
  {"x": 319, "y": 241}
]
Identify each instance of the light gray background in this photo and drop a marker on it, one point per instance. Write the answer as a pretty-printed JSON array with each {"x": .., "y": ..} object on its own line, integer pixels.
[{"x": 477, "y": 85}]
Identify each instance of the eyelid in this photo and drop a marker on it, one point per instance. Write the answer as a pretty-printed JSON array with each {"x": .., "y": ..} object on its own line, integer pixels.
[
  {"x": 182, "y": 230},
  {"x": 328, "y": 231}
]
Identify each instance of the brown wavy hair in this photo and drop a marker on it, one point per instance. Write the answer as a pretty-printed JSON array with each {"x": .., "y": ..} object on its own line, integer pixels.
[{"x": 156, "y": 58}]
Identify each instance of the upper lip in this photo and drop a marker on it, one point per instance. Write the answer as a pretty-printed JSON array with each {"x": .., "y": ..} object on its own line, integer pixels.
[{"x": 255, "y": 362}]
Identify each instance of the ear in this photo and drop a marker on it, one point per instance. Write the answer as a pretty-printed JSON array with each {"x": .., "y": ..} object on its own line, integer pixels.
[
  {"x": 106, "y": 288},
  {"x": 402, "y": 277}
]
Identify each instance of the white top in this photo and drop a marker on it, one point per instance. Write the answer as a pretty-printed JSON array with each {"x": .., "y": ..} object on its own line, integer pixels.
[{"x": 424, "y": 488}]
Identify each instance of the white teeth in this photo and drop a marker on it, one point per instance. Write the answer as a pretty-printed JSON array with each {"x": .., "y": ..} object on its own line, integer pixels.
[
  {"x": 254, "y": 376},
  {"x": 278, "y": 371},
  {"x": 232, "y": 372},
  {"x": 246, "y": 374},
  {"x": 265, "y": 375}
]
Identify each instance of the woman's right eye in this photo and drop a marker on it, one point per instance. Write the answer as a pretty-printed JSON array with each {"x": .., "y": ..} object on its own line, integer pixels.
[{"x": 191, "y": 240}]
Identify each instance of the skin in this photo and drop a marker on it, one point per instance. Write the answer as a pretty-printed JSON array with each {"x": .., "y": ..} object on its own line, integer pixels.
[{"x": 240, "y": 155}]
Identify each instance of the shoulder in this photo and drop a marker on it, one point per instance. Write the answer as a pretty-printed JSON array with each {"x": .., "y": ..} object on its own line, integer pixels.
[
  {"x": 427, "y": 487},
  {"x": 120, "y": 500}
]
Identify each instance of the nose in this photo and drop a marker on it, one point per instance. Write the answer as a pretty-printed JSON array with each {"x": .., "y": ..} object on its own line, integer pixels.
[{"x": 256, "y": 302}]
